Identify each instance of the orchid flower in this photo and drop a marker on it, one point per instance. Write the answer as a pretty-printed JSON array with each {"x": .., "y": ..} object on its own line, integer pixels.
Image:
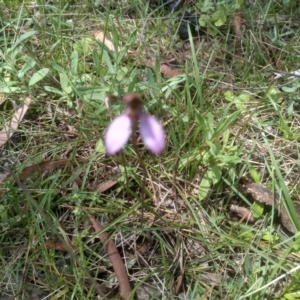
[{"x": 121, "y": 128}]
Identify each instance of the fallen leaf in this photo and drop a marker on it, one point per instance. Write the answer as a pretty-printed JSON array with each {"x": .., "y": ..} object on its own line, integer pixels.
[
  {"x": 178, "y": 283},
  {"x": 56, "y": 245},
  {"x": 264, "y": 195},
  {"x": 261, "y": 193},
  {"x": 47, "y": 166},
  {"x": 170, "y": 72},
  {"x": 106, "y": 185},
  {"x": 165, "y": 69},
  {"x": 238, "y": 34},
  {"x": 101, "y": 37},
  {"x": 243, "y": 212},
  {"x": 10, "y": 127},
  {"x": 114, "y": 257},
  {"x": 285, "y": 219}
]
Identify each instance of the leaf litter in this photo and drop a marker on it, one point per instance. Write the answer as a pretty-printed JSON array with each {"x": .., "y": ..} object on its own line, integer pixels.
[
  {"x": 263, "y": 195},
  {"x": 114, "y": 257},
  {"x": 11, "y": 127}
]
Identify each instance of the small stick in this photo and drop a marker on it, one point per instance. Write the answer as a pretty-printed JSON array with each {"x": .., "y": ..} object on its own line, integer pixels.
[{"x": 114, "y": 257}]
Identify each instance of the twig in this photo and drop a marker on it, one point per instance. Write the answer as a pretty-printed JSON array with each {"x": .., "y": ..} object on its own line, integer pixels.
[{"x": 114, "y": 257}]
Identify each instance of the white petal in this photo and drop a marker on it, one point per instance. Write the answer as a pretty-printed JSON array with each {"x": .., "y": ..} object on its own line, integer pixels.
[
  {"x": 152, "y": 134},
  {"x": 118, "y": 134}
]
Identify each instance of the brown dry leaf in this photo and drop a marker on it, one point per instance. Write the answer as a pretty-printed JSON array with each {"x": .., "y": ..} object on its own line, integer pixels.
[
  {"x": 238, "y": 34},
  {"x": 178, "y": 283},
  {"x": 56, "y": 245},
  {"x": 102, "y": 37},
  {"x": 243, "y": 212},
  {"x": 170, "y": 72},
  {"x": 10, "y": 127},
  {"x": 286, "y": 222},
  {"x": 285, "y": 219},
  {"x": 264, "y": 195},
  {"x": 103, "y": 187},
  {"x": 106, "y": 185},
  {"x": 165, "y": 69},
  {"x": 47, "y": 166},
  {"x": 114, "y": 257},
  {"x": 261, "y": 193}
]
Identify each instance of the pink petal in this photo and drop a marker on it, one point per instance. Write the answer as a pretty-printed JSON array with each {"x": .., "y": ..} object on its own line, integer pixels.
[
  {"x": 118, "y": 134},
  {"x": 152, "y": 134}
]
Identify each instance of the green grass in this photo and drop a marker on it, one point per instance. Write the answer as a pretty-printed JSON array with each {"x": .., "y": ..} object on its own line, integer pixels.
[{"x": 227, "y": 122}]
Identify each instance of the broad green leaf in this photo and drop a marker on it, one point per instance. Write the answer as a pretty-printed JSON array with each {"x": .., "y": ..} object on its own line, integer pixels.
[
  {"x": 53, "y": 90},
  {"x": 26, "y": 67},
  {"x": 8, "y": 67},
  {"x": 290, "y": 106},
  {"x": 209, "y": 122},
  {"x": 202, "y": 21},
  {"x": 211, "y": 177},
  {"x": 3, "y": 213},
  {"x": 273, "y": 91},
  {"x": 270, "y": 237},
  {"x": 229, "y": 95},
  {"x": 92, "y": 93},
  {"x": 95, "y": 96},
  {"x": 38, "y": 76},
  {"x": 206, "y": 6},
  {"x": 64, "y": 82},
  {"x": 204, "y": 188},
  {"x": 290, "y": 90},
  {"x": 226, "y": 123},
  {"x": 206, "y": 158},
  {"x": 11, "y": 89},
  {"x": 115, "y": 37},
  {"x": 228, "y": 159},
  {"x": 219, "y": 18},
  {"x": 84, "y": 46},
  {"x": 212, "y": 148},
  {"x": 244, "y": 97},
  {"x": 257, "y": 209},
  {"x": 214, "y": 173},
  {"x": 22, "y": 38},
  {"x": 106, "y": 59},
  {"x": 245, "y": 233},
  {"x": 296, "y": 244},
  {"x": 226, "y": 136},
  {"x": 220, "y": 22},
  {"x": 5, "y": 84},
  {"x": 292, "y": 296},
  {"x": 124, "y": 49},
  {"x": 100, "y": 148},
  {"x": 74, "y": 62},
  {"x": 95, "y": 56},
  {"x": 57, "y": 68},
  {"x": 254, "y": 174}
]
